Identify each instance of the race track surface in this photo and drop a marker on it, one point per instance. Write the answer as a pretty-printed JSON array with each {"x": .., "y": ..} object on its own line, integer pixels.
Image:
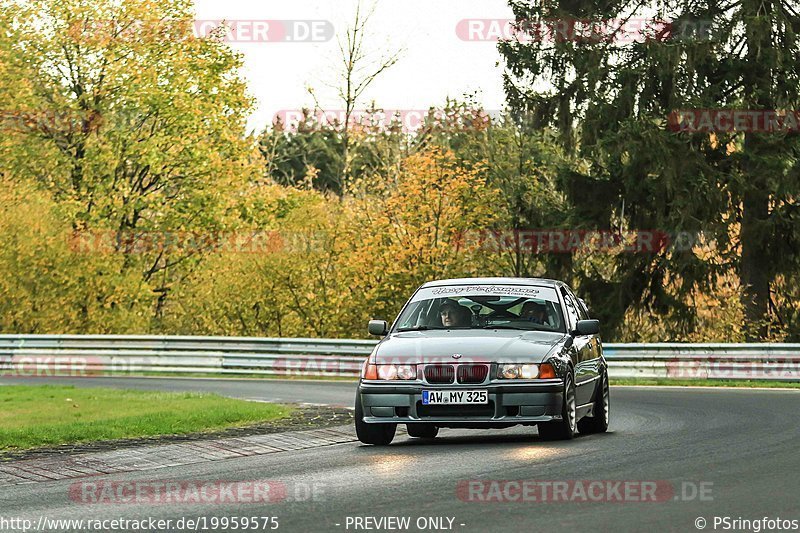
[{"x": 710, "y": 452}]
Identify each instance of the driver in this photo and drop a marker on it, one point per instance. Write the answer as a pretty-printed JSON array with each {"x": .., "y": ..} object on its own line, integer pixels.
[
  {"x": 535, "y": 312},
  {"x": 453, "y": 314}
]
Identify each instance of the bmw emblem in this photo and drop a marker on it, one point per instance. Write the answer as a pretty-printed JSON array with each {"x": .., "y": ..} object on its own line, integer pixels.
[{"x": 456, "y": 356}]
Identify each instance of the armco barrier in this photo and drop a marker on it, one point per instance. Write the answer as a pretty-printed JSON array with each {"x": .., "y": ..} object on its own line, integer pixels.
[{"x": 131, "y": 354}]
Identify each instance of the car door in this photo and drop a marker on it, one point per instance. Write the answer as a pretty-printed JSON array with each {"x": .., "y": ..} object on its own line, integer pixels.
[
  {"x": 584, "y": 348},
  {"x": 595, "y": 344}
]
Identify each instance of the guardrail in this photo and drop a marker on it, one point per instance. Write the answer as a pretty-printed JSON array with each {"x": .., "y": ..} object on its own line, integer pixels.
[
  {"x": 776, "y": 361},
  {"x": 41, "y": 355}
]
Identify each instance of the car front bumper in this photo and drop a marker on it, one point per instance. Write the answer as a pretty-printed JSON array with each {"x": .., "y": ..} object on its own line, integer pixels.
[{"x": 509, "y": 404}]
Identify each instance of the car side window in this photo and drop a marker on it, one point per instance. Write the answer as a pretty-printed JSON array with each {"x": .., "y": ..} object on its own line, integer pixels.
[
  {"x": 572, "y": 308},
  {"x": 583, "y": 312}
]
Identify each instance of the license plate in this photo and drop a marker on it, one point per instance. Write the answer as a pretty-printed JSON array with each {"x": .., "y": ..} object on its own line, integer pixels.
[{"x": 454, "y": 397}]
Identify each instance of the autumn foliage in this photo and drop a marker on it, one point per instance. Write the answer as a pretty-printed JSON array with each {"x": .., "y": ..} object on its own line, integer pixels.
[{"x": 132, "y": 200}]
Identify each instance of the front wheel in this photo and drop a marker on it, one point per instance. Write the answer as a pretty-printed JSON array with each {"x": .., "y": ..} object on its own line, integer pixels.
[
  {"x": 563, "y": 429},
  {"x": 422, "y": 431},
  {"x": 598, "y": 422},
  {"x": 377, "y": 434}
]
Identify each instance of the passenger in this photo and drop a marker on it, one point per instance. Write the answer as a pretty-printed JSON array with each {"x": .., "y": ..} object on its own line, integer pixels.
[
  {"x": 454, "y": 315},
  {"x": 535, "y": 312}
]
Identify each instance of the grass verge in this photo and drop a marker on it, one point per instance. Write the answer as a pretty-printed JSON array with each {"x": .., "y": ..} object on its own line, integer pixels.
[
  {"x": 35, "y": 416},
  {"x": 706, "y": 383}
]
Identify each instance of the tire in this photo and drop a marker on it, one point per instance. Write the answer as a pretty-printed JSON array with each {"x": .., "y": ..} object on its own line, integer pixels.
[
  {"x": 563, "y": 429},
  {"x": 598, "y": 422},
  {"x": 376, "y": 434},
  {"x": 422, "y": 431}
]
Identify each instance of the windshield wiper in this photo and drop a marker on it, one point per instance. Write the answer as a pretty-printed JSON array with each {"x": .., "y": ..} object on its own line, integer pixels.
[{"x": 504, "y": 326}]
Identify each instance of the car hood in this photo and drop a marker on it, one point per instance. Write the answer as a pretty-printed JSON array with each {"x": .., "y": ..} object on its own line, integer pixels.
[{"x": 505, "y": 346}]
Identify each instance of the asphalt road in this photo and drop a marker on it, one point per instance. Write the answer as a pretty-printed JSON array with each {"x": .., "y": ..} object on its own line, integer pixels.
[{"x": 724, "y": 453}]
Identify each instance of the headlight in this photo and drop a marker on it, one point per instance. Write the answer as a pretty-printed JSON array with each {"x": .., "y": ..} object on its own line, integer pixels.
[
  {"x": 519, "y": 371},
  {"x": 526, "y": 371},
  {"x": 406, "y": 372},
  {"x": 389, "y": 372}
]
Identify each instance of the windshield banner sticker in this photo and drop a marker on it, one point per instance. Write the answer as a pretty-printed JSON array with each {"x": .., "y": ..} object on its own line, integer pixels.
[{"x": 519, "y": 291}]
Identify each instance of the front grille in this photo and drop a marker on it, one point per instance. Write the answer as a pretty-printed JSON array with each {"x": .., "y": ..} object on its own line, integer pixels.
[
  {"x": 439, "y": 374},
  {"x": 472, "y": 373},
  {"x": 486, "y": 410}
]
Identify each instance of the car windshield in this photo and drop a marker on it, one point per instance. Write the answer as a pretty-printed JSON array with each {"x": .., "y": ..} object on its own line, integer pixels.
[{"x": 483, "y": 307}]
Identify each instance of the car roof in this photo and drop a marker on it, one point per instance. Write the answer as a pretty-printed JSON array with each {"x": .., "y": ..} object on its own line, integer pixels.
[{"x": 483, "y": 281}]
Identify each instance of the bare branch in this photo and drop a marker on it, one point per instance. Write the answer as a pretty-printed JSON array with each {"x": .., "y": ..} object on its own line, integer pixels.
[{"x": 359, "y": 71}]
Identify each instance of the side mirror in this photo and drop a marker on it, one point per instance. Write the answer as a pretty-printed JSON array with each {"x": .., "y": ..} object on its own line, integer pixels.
[
  {"x": 378, "y": 327},
  {"x": 588, "y": 327}
]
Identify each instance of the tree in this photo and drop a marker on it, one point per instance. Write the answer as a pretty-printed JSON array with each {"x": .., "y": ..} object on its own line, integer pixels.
[
  {"x": 328, "y": 144},
  {"x": 46, "y": 287},
  {"x": 523, "y": 164},
  {"x": 346, "y": 259},
  {"x": 610, "y": 98},
  {"x": 310, "y": 152},
  {"x": 412, "y": 229},
  {"x": 359, "y": 70},
  {"x": 155, "y": 122},
  {"x": 311, "y": 148}
]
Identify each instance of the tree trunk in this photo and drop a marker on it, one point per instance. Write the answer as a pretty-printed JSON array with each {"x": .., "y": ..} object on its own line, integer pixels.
[{"x": 755, "y": 265}]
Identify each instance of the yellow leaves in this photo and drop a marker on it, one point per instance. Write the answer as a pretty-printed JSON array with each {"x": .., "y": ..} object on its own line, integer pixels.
[
  {"x": 45, "y": 286},
  {"x": 342, "y": 260},
  {"x": 310, "y": 176}
]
